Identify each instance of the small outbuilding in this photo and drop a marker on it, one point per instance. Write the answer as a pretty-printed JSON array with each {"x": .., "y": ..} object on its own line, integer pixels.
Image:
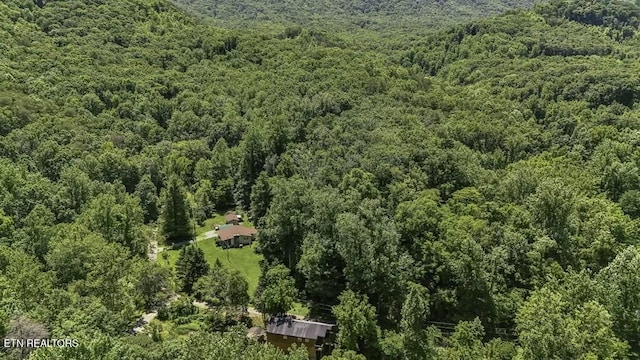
[
  {"x": 317, "y": 337},
  {"x": 232, "y": 218}
]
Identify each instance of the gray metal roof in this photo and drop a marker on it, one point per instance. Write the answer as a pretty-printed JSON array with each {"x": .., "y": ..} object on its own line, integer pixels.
[{"x": 298, "y": 328}]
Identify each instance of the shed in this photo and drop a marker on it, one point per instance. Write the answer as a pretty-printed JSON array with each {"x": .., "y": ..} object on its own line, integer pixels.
[
  {"x": 284, "y": 331},
  {"x": 232, "y": 218}
]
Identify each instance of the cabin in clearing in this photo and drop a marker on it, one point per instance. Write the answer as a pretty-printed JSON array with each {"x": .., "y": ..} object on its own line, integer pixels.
[{"x": 235, "y": 236}]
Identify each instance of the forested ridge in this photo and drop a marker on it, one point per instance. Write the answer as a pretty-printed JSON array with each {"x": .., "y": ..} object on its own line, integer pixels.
[
  {"x": 485, "y": 175},
  {"x": 386, "y": 16}
]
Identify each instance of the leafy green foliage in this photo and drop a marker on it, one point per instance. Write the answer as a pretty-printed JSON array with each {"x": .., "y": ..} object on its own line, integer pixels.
[
  {"x": 154, "y": 282},
  {"x": 566, "y": 330},
  {"x": 348, "y": 14},
  {"x": 221, "y": 287},
  {"x": 618, "y": 281},
  {"x": 357, "y": 319},
  {"x": 190, "y": 266},
  {"x": 147, "y": 192},
  {"x": 180, "y": 309},
  {"x": 485, "y": 171},
  {"x": 344, "y": 355},
  {"x": 175, "y": 218},
  {"x": 417, "y": 339},
  {"x": 276, "y": 291},
  {"x": 118, "y": 219}
]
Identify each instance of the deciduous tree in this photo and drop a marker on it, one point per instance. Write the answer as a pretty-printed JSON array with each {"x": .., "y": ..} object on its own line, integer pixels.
[{"x": 276, "y": 292}]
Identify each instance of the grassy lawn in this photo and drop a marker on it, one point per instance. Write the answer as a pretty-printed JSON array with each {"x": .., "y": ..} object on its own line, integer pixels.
[
  {"x": 244, "y": 260},
  {"x": 210, "y": 224}
]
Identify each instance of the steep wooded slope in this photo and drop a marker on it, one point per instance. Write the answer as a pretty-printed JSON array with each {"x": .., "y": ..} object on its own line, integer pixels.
[{"x": 489, "y": 170}]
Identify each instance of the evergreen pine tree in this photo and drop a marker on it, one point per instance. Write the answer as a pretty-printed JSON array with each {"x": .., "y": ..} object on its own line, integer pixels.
[
  {"x": 190, "y": 266},
  {"x": 176, "y": 219}
]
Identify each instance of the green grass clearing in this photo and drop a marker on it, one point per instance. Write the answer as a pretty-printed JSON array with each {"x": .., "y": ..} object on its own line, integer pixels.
[
  {"x": 211, "y": 223},
  {"x": 245, "y": 260}
]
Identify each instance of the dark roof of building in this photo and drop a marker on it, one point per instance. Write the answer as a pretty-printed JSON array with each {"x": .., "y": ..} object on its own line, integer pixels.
[
  {"x": 229, "y": 232},
  {"x": 287, "y": 326}
]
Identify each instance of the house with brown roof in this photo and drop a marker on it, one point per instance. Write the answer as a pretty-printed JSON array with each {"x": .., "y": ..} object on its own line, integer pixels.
[
  {"x": 235, "y": 236},
  {"x": 232, "y": 218},
  {"x": 318, "y": 338}
]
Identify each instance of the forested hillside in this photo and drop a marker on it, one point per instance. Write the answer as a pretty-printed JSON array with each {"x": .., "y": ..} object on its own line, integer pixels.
[
  {"x": 385, "y": 16},
  {"x": 473, "y": 193}
]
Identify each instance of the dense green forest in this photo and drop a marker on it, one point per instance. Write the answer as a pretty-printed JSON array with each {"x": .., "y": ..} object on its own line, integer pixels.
[
  {"x": 384, "y": 16},
  {"x": 486, "y": 176}
]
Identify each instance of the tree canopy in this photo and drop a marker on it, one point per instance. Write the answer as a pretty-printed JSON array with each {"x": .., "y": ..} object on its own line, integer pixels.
[{"x": 469, "y": 190}]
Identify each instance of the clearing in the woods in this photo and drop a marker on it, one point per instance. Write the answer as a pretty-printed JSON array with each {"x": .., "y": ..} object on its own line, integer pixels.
[{"x": 243, "y": 259}]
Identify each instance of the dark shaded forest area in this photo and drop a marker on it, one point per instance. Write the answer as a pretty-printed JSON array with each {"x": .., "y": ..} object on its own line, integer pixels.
[{"x": 484, "y": 175}]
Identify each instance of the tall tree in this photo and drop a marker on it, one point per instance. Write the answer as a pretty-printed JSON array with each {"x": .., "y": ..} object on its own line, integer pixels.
[
  {"x": 621, "y": 281},
  {"x": 320, "y": 263},
  {"x": 374, "y": 265},
  {"x": 75, "y": 191},
  {"x": 37, "y": 231},
  {"x": 260, "y": 198},
  {"x": 280, "y": 239},
  {"x": 204, "y": 201},
  {"x": 221, "y": 287},
  {"x": 277, "y": 291},
  {"x": 220, "y": 173},
  {"x": 7, "y": 228},
  {"x": 417, "y": 342},
  {"x": 252, "y": 161},
  {"x": 147, "y": 192},
  {"x": 153, "y": 283},
  {"x": 466, "y": 341},
  {"x": 23, "y": 283},
  {"x": 552, "y": 206},
  {"x": 552, "y": 327},
  {"x": 418, "y": 221},
  {"x": 176, "y": 218},
  {"x": 118, "y": 218},
  {"x": 358, "y": 327},
  {"x": 190, "y": 266}
]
